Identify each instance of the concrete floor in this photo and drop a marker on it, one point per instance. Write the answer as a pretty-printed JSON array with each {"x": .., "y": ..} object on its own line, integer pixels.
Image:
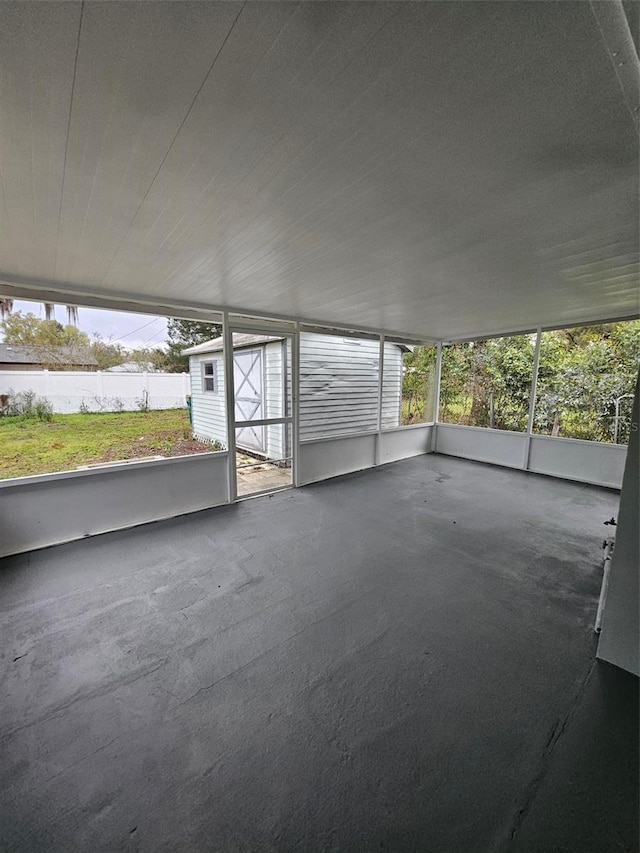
[
  {"x": 260, "y": 477},
  {"x": 397, "y": 660}
]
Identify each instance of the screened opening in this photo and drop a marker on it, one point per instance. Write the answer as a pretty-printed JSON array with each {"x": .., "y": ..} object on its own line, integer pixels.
[
  {"x": 408, "y": 386},
  {"x": 262, "y": 379},
  {"x": 488, "y": 383},
  {"x": 82, "y": 388},
  {"x": 586, "y": 379}
]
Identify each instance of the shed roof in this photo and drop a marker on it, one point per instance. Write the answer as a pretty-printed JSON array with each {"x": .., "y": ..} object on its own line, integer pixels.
[
  {"x": 16, "y": 354},
  {"x": 239, "y": 341},
  {"x": 244, "y": 340}
]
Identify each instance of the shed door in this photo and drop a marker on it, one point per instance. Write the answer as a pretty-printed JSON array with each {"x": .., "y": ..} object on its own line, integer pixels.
[{"x": 248, "y": 378}]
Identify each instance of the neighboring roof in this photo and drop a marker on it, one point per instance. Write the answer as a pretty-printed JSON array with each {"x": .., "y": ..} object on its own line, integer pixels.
[
  {"x": 239, "y": 341},
  {"x": 132, "y": 367},
  {"x": 13, "y": 354}
]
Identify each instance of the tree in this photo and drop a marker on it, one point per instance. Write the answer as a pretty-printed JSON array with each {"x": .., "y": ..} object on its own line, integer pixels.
[
  {"x": 6, "y": 307},
  {"x": 586, "y": 377},
  {"x": 48, "y": 335},
  {"x": 182, "y": 334},
  {"x": 146, "y": 358},
  {"x": 418, "y": 384},
  {"x": 106, "y": 353}
]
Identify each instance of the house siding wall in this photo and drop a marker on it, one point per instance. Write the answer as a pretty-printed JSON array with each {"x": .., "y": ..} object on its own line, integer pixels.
[
  {"x": 338, "y": 390},
  {"x": 339, "y": 385},
  {"x": 391, "y": 386},
  {"x": 208, "y": 409}
]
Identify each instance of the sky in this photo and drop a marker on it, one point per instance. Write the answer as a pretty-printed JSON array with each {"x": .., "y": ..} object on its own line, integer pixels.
[{"x": 131, "y": 330}]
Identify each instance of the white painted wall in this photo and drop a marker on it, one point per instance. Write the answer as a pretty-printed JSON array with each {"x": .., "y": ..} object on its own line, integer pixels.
[
  {"x": 482, "y": 445},
  {"x": 405, "y": 442},
  {"x": 52, "y": 508},
  {"x": 620, "y": 637},
  {"x": 67, "y": 390},
  {"x": 321, "y": 459},
  {"x": 208, "y": 408},
  {"x": 572, "y": 459}
]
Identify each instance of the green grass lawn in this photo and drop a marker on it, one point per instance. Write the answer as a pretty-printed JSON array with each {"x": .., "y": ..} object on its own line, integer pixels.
[{"x": 39, "y": 447}]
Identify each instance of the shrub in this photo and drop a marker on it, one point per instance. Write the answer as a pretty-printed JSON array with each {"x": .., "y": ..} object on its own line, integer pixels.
[
  {"x": 27, "y": 405},
  {"x": 101, "y": 405}
]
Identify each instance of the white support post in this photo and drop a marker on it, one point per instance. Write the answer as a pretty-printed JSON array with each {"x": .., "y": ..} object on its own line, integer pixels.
[
  {"x": 229, "y": 392},
  {"x": 378, "y": 454},
  {"x": 532, "y": 399},
  {"x": 436, "y": 397},
  {"x": 295, "y": 403}
]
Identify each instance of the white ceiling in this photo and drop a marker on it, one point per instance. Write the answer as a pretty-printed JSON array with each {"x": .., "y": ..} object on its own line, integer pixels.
[{"x": 438, "y": 169}]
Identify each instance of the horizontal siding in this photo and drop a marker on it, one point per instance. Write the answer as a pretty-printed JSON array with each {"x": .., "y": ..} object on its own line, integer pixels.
[
  {"x": 338, "y": 390},
  {"x": 208, "y": 410},
  {"x": 339, "y": 385},
  {"x": 391, "y": 386}
]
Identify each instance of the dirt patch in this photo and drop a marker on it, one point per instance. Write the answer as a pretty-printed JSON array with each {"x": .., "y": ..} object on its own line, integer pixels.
[{"x": 157, "y": 445}]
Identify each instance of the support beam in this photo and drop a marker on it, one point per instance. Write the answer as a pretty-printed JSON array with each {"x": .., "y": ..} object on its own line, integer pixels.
[
  {"x": 436, "y": 398},
  {"x": 229, "y": 391},
  {"x": 532, "y": 398},
  {"x": 295, "y": 403},
  {"x": 380, "y": 392}
]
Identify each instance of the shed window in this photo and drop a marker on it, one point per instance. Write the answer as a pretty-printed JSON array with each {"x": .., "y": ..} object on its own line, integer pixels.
[{"x": 210, "y": 376}]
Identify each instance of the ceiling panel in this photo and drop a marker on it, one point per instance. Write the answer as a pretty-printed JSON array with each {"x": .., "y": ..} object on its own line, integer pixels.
[
  {"x": 437, "y": 169},
  {"x": 38, "y": 44}
]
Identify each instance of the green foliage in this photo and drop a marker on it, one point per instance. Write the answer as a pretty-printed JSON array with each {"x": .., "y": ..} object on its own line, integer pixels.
[
  {"x": 48, "y": 335},
  {"x": 182, "y": 334},
  {"x": 37, "y": 447},
  {"x": 582, "y": 372},
  {"x": 27, "y": 406},
  {"x": 28, "y": 330},
  {"x": 487, "y": 383},
  {"x": 145, "y": 358},
  {"x": 418, "y": 384},
  {"x": 107, "y": 354},
  {"x": 101, "y": 405}
]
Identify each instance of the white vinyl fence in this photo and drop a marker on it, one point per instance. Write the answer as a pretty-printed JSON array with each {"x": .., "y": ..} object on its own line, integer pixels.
[{"x": 71, "y": 391}]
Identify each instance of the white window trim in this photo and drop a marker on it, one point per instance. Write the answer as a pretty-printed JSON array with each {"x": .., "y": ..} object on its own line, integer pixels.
[{"x": 213, "y": 375}]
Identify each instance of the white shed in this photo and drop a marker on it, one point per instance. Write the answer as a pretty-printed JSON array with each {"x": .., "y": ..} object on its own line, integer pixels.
[{"x": 338, "y": 388}]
